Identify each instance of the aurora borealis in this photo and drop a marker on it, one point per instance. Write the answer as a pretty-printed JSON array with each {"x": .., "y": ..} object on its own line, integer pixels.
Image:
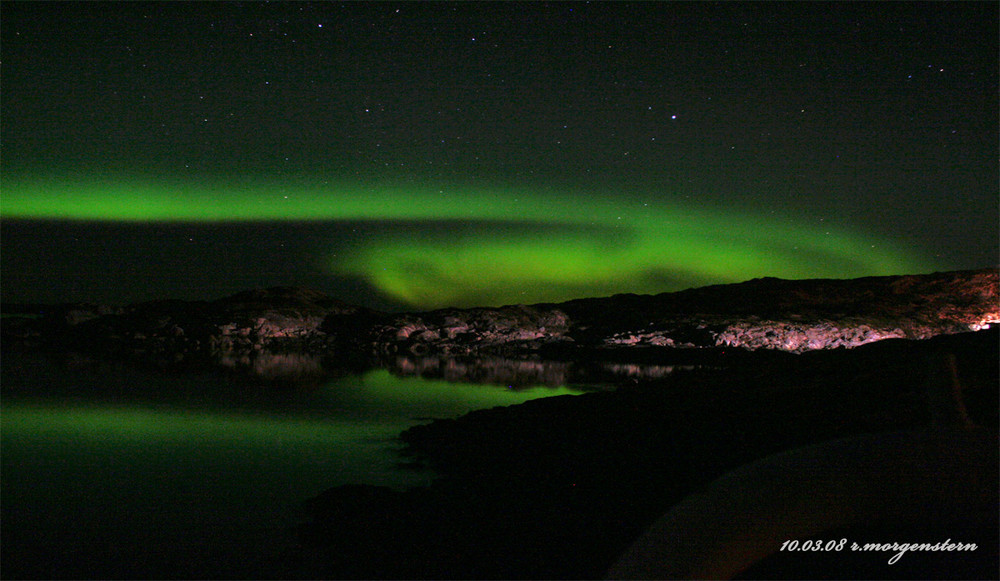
[
  {"x": 586, "y": 246},
  {"x": 430, "y": 155}
]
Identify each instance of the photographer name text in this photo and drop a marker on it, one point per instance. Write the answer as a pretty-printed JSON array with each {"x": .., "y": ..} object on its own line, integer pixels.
[{"x": 897, "y": 549}]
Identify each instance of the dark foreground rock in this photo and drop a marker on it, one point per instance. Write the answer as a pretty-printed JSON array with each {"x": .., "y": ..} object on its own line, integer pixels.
[{"x": 558, "y": 488}]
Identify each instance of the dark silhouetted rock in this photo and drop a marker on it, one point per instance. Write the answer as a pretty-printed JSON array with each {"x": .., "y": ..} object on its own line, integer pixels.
[{"x": 558, "y": 488}]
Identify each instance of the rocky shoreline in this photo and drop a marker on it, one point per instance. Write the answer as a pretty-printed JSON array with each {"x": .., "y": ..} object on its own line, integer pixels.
[
  {"x": 558, "y": 488},
  {"x": 774, "y": 314}
]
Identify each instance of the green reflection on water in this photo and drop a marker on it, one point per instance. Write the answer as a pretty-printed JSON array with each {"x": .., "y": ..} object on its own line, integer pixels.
[
  {"x": 424, "y": 397},
  {"x": 141, "y": 481},
  {"x": 97, "y": 423},
  {"x": 349, "y": 423}
]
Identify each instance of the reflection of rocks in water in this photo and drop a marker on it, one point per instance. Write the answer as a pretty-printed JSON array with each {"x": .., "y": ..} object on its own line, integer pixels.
[
  {"x": 290, "y": 367},
  {"x": 521, "y": 373},
  {"x": 509, "y": 372},
  {"x": 638, "y": 371}
]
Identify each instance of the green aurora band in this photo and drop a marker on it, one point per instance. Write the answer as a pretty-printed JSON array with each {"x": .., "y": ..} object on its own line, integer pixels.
[{"x": 560, "y": 246}]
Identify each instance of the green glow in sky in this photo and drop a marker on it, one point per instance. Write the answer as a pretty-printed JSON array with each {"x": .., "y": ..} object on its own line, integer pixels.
[{"x": 570, "y": 244}]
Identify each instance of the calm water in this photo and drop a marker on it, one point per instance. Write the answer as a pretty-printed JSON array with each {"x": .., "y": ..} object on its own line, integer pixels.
[{"x": 109, "y": 471}]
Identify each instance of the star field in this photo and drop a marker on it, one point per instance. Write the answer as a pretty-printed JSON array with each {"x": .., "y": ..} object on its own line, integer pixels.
[{"x": 424, "y": 154}]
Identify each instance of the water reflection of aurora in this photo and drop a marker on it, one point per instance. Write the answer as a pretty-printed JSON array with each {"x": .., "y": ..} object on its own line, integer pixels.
[
  {"x": 567, "y": 244},
  {"x": 135, "y": 474},
  {"x": 349, "y": 423}
]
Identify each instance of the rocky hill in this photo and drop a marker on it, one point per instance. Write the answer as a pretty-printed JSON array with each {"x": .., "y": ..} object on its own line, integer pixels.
[
  {"x": 766, "y": 313},
  {"x": 788, "y": 315}
]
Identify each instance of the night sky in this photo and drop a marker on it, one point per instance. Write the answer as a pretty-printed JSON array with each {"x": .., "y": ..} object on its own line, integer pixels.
[{"x": 418, "y": 155}]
